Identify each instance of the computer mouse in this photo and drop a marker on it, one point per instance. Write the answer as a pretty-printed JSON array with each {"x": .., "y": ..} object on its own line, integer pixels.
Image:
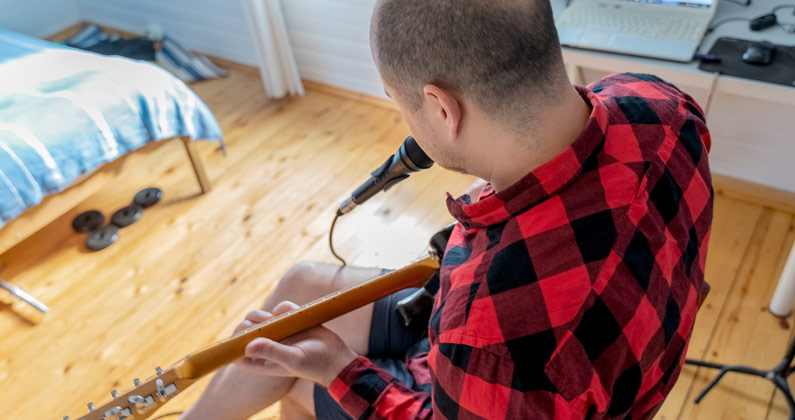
[{"x": 759, "y": 53}]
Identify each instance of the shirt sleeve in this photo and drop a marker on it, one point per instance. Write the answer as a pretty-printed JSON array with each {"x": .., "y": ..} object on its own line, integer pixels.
[{"x": 365, "y": 391}]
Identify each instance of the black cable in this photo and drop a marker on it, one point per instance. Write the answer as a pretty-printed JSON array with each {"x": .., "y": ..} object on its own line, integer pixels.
[
  {"x": 331, "y": 239},
  {"x": 782, "y": 6},
  {"x": 727, "y": 20},
  {"x": 744, "y": 3},
  {"x": 787, "y": 27}
]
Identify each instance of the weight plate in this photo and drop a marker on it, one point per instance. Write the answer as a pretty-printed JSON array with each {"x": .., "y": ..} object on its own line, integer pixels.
[
  {"x": 148, "y": 197},
  {"x": 127, "y": 215},
  {"x": 103, "y": 238},
  {"x": 88, "y": 221}
]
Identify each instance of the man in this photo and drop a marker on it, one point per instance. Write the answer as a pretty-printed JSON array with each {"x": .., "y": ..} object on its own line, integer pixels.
[{"x": 570, "y": 284}]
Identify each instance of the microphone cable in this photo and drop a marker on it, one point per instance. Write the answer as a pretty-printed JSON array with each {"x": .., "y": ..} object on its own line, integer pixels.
[
  {"x": 409, "y": 158},
  {"x": 331, "y": 239}
]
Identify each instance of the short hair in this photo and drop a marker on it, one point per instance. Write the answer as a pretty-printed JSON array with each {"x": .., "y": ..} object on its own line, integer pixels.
[{"x": 497, "y": 53}]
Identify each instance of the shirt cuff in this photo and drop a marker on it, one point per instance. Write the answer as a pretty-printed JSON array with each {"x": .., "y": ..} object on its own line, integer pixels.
[{"x": 342, "y": 383}]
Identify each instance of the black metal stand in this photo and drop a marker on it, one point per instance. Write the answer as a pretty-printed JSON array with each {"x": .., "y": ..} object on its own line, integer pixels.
[{"x": 778, "y": 375}]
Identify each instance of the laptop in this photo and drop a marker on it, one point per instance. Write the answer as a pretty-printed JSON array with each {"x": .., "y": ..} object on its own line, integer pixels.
[{"x": 668, "y": 29}]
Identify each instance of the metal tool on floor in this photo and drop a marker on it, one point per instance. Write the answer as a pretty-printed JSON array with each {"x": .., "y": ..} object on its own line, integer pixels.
[{"x": 23, "y": 295}]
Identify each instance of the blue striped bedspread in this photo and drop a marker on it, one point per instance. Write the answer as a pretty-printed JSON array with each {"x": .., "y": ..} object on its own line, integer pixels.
[{"x": 65, "y": 112}]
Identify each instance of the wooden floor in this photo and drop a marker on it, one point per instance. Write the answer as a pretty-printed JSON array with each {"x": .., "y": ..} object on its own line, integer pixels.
[{"x": 184, "y": 275}]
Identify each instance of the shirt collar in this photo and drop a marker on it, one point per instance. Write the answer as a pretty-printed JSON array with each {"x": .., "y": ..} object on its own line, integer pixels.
[{"x": 541, "y": 183}]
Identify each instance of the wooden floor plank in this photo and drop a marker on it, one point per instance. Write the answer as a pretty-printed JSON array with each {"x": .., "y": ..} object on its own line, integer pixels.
[
  {"x": 778, "y": 408},
  {"x": 747, "y": 332},
  {"x": 733, "y": 226},
  {"x": 184, "y": 275}
]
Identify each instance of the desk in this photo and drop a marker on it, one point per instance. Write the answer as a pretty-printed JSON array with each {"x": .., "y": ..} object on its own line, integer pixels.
[{"x": 752, "y": 123}]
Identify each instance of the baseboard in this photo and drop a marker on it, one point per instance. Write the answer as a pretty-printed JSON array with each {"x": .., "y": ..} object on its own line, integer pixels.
[
  {"x": 349, "y": 94},
  {"x": 232, "y": 65},
  {"x": 754, "y": 193},
  {"x": 728, "y": 186},
  {"x": 74, "y": 29},
  {"x": 66, "y": 33}
]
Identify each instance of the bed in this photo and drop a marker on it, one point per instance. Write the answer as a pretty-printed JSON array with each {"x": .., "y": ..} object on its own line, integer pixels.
[{"x": 64, "y": 113}]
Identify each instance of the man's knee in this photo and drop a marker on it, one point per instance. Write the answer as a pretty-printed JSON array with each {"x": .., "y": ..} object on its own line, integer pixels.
[
  {"x": 301, "y": 273},
  {"x": 304, "y": 282}
]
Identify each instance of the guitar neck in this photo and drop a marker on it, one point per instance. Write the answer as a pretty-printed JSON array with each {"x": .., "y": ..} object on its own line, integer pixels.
[
  {"x": 307, "y": 316},
  {"x": 141, "y": 402}
]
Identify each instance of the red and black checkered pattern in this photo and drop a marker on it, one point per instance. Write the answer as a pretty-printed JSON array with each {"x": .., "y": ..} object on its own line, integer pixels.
[{"x": 571, "y": 294}]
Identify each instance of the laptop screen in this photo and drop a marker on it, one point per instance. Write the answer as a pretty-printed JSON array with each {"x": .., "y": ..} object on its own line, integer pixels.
[{"x": 699, "y": 4}]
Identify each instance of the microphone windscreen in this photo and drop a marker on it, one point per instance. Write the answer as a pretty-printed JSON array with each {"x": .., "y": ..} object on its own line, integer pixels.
[{"x": 416, "y": 154}]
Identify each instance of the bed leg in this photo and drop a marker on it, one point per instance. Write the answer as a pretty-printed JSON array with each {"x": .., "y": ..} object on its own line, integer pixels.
[{"x": 198, "y": 168}]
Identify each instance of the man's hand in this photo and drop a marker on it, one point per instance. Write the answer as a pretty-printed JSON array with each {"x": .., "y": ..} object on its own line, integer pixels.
[{"x": 317, "y": 354}]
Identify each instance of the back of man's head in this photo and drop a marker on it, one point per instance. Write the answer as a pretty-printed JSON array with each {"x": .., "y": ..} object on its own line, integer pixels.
[{"x": 502, "y": 54}]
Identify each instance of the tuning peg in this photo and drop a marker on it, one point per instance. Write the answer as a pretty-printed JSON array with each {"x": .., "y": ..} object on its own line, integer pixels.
[
  {"x": 159, "y": 370},
  {"x": 114, "y": 394},
  {"x": 163, "y": 392},
  {"x": 140, "y": 404},
  {"x": 137, "y": 382},
  {"x": 91, "y": 406}
]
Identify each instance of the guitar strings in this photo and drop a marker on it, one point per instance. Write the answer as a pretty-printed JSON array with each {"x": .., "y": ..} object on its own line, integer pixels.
[{"x": 162, "y": 416}]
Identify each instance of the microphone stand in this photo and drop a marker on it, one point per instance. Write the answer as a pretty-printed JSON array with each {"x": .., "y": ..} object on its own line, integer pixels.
[{"x": 777, "y": 375}]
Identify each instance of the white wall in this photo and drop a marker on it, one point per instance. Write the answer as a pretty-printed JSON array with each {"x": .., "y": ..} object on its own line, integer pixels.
[
  {"x": 330, "y": 37},
  {"x": 331, "y": 42},
  {"x": 331, "y": 45},
  {"x": 215, "y": 27},
  {"x": 40, "y": 18}
]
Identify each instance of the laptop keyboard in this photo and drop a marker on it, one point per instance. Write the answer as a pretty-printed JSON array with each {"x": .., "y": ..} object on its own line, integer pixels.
[{"x": 610, "y": 20}]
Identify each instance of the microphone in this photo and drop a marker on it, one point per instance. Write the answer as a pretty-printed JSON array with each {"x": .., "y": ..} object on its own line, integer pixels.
[{"x": 409, "y": 158}]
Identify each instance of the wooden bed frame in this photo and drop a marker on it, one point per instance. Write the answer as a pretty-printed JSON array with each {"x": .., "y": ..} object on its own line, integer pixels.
[{"x": 54, "y": 206}]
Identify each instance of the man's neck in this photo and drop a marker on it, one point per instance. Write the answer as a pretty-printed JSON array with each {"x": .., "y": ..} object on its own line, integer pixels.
[{"x": 558, "y": 128}]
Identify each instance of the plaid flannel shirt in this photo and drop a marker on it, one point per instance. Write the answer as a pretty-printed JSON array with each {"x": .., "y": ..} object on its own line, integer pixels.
[{"x": 572, "y": 293}]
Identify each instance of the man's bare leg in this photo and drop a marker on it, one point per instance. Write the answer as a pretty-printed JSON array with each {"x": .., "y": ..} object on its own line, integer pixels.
[
  {"x": 299, "y": 403},
  {"x": 234, "y": 393}
]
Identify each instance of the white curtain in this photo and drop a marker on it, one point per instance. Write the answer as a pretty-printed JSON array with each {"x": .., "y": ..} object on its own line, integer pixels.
[{"x": 276, "y": 61}]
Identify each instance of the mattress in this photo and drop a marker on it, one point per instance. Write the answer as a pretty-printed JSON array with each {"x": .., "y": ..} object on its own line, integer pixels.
[{"x": 65, "y": 112}]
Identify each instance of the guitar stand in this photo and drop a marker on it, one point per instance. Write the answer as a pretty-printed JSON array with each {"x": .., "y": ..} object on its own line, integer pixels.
[{"x": 778, "y": 375}]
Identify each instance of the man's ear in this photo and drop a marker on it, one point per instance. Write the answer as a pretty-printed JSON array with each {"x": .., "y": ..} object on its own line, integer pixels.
[{"x": 446, "y": 106}]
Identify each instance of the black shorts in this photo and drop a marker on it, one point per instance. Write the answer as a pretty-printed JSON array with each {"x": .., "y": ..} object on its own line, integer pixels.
[{"x": 388, "y": 344}]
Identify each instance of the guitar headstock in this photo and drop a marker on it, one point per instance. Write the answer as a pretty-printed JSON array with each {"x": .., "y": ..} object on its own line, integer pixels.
[{"x": 141, "y": 401}]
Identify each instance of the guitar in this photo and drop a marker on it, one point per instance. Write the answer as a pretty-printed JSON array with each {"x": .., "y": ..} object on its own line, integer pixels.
[{"x": 142, "y": 401}]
